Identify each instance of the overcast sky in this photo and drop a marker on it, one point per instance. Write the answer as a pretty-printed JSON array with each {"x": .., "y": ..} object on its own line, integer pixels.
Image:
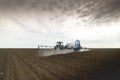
[{"x": 28, "y": 23}]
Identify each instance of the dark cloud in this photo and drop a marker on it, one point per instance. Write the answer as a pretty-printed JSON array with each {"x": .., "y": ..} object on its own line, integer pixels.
[
  {"x": 100, "y": 10},
  {"x": 108, "y": 10}
]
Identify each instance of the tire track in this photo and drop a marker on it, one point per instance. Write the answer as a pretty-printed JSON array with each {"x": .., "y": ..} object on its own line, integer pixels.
[
  {"x": 71, "y": 71},
  {"x": 57, "y": 70},
  {"x": 24, "y": 73},
  {"x": 3, "y": 65},
  {"x": 39, "y": 71},
  {"x": 10, "y": 69}
]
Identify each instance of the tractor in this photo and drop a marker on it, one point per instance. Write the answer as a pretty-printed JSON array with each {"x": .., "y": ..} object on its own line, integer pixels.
[
  {"x": 75, "y": 46},
  {"x": 59, "y": 45}
]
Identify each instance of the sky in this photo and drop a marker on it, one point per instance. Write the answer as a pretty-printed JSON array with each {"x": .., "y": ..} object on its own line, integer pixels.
[{"x": 29, "y": 23}]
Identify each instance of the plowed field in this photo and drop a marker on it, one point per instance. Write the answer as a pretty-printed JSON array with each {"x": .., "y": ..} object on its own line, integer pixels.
[{"x": 24, "y": 64}]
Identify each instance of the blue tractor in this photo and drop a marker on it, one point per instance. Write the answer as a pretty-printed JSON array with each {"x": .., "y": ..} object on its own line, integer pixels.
[
  {"x": 59, "y": 45},
  {"x": 75, "y": 46}
]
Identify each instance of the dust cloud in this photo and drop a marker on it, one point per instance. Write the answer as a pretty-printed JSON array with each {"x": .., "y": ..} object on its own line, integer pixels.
[{"x": 50, "y": 52}]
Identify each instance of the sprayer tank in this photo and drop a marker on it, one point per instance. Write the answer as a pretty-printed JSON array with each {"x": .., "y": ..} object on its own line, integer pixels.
[{"x": 77, "y": 45}]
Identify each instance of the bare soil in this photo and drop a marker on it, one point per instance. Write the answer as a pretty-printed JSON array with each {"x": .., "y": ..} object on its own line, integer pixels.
[{"x": 24, "y": 64}]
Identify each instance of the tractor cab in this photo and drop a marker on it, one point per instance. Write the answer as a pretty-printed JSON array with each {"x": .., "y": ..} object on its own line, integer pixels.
[{"x": 59, "y": 45}]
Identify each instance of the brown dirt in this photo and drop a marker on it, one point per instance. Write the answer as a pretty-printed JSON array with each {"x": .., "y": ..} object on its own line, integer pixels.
[{"x": 24, "y": 64}]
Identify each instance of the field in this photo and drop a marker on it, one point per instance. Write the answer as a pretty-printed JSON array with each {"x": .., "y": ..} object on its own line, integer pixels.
[{"x": 24, "y": 64}]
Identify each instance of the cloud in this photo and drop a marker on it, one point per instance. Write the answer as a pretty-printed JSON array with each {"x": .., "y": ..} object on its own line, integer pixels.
[{"x": 27, "y": 23}]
